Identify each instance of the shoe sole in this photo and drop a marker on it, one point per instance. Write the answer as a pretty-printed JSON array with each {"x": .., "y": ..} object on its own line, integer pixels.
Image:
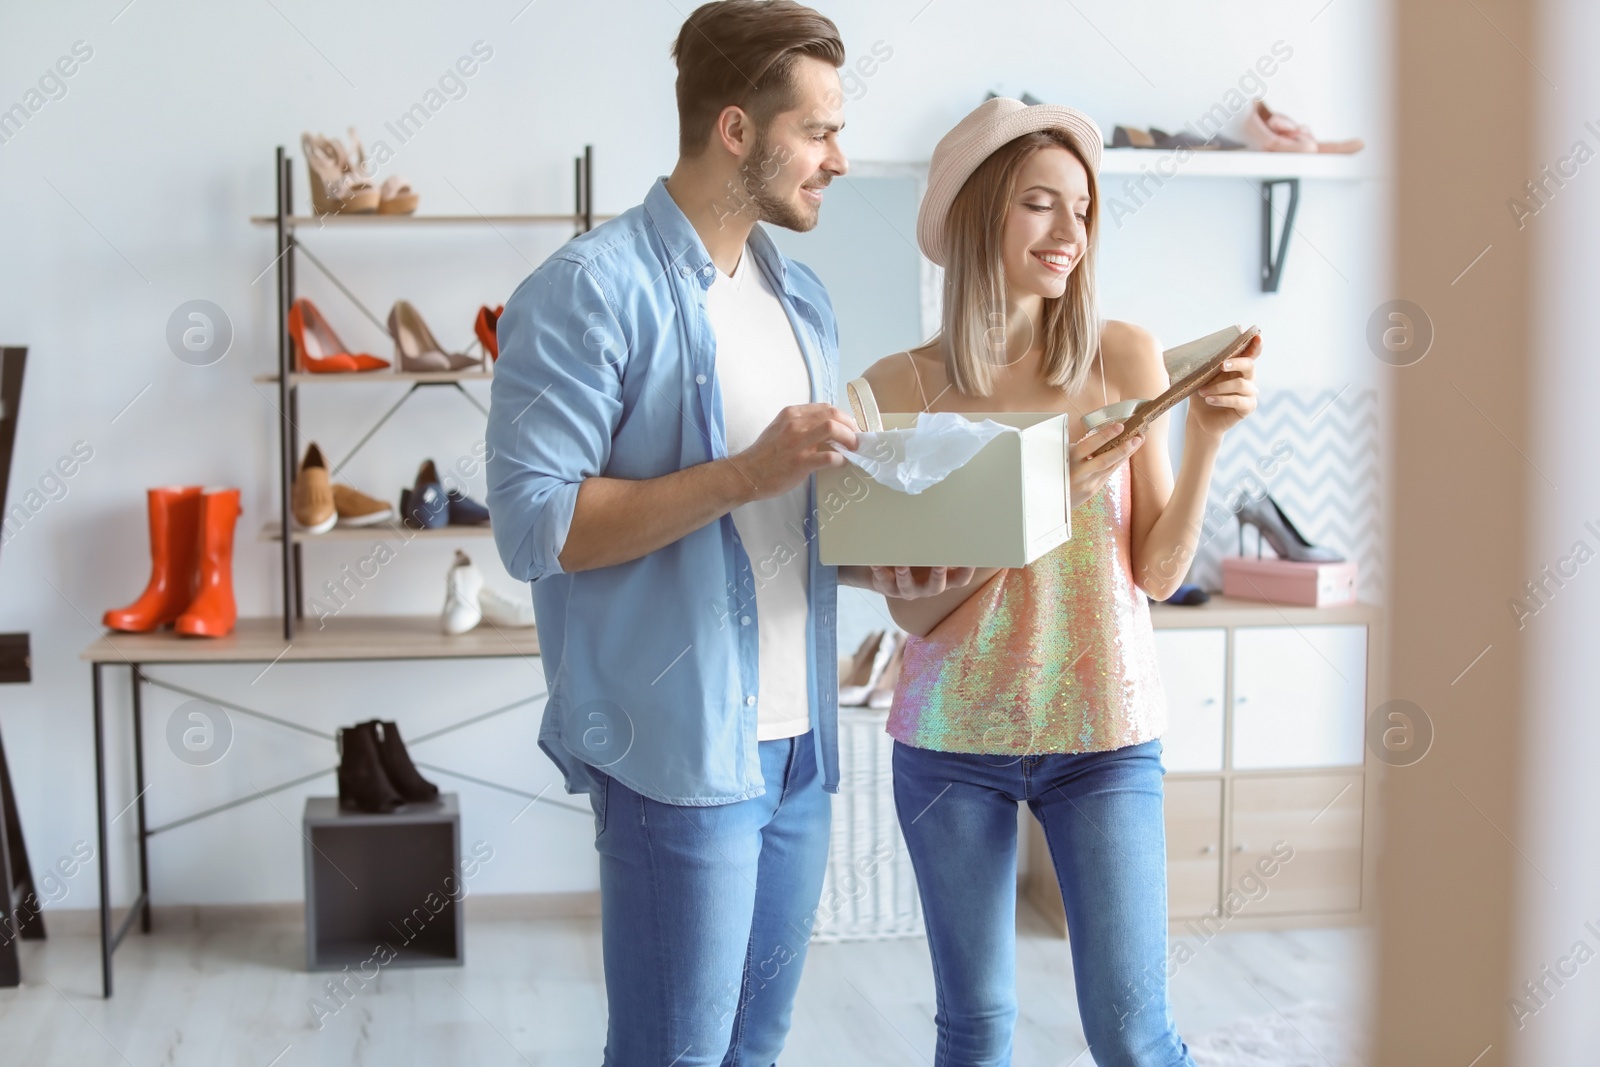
[
  {"x": 319, "y": 528},
  {"x": 374, "y": 519}
]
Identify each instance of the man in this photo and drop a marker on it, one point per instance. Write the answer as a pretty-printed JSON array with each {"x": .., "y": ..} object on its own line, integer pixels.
[{"x": 659, "y": 407}]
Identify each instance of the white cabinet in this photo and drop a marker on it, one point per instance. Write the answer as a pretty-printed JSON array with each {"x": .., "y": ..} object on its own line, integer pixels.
[
  {"x": 1267, "y": 802},
  {"x": 1193, "y": 673},
  {"x": 1299, "y": 696}
]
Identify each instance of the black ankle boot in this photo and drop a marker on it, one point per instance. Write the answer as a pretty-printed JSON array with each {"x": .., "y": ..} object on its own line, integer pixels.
[
  {"x": 397, "y": 764},
  {"x": 363, "y": 785}
]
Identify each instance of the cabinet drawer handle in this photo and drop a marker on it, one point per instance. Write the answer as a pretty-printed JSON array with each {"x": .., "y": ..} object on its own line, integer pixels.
[
  {"x": 1208, "y": 849},
  {"x": 1208, "y": 701},
  {"x": 1240, "y": 847}
]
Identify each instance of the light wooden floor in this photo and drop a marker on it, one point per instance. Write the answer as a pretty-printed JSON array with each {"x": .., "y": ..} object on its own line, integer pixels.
[{"x": 235, "y": 995}]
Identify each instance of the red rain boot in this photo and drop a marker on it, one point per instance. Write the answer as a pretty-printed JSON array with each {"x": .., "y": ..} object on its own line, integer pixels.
[
  {"x": 174, "y": 559},
  {"x": 213, "y": 612}
]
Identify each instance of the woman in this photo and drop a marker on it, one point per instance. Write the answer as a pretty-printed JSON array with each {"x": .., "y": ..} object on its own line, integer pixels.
[{"x": 1039, "y": 684}]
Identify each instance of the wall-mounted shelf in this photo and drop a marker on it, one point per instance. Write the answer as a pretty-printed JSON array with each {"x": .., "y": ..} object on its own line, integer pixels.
[
  {"x": 1273, "y": 170},
  {"x": 390, "y": 377},
  {"x": 375, "y": 219},
  {"x": 382, "y": 530},
  {"x": 1257, "y": 166}
]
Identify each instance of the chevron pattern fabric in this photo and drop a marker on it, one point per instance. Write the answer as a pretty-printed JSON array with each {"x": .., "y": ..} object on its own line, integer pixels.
[{"x": 1316, "y": 453}]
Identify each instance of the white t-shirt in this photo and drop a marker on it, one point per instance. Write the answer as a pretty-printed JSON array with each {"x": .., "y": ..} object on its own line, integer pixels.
[{"x": 760, "y": 371}]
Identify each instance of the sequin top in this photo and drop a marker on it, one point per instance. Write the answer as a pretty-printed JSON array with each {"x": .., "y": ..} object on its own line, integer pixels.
[{"x": 1057, "y": 656}]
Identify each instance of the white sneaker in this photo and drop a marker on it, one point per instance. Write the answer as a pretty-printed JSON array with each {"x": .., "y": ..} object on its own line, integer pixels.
[
  {"x": 462, "y": 588},
  {"x": 508, "y": 611}
]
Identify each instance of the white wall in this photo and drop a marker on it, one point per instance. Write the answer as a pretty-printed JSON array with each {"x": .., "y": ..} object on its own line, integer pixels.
[{"x": 129, "y": 196}]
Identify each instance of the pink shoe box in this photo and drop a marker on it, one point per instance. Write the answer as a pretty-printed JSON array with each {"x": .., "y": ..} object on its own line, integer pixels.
[{"x": 1282, "y": 581}]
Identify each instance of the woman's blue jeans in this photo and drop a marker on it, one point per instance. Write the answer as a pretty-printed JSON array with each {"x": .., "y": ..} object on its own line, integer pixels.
[{"x": 1102, "y": 815}]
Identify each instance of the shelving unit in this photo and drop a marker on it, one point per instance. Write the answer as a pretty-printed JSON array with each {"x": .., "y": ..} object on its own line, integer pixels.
[{"x": 288, "y": 227}]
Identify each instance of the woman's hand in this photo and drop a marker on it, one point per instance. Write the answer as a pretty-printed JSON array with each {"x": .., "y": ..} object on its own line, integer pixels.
[
  {"x": 914, "y": 583},
  {"x": 1217, "y": 406},
  {"x": 1088, "y": 476}
]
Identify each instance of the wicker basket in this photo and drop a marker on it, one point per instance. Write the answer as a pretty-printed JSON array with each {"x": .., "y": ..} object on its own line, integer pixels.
[{"x": 870, "y": 890}]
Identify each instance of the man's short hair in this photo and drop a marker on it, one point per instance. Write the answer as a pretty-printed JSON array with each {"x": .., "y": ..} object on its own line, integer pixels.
[{"x": 743, "y": 53}]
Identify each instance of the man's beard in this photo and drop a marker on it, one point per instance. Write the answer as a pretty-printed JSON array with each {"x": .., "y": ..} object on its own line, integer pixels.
[{"x": 771, "y": 208}]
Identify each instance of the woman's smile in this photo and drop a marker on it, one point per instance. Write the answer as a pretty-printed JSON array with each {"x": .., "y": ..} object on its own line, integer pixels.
[{"x": 1055, "y": 261}]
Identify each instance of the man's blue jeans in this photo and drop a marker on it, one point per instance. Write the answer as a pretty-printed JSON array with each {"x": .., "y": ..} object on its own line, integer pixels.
[
  {"x": 706, "y": 913},
  {"x": 1101, "y": 813}
]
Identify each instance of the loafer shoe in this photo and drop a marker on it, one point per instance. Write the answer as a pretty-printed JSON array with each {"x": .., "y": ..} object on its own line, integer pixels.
[
  {"x": 312, "y": 496},
  {"x": 425, "y": 506},
  {"x": 464, "y": 511},
  {"x": 356, "y": 508}
]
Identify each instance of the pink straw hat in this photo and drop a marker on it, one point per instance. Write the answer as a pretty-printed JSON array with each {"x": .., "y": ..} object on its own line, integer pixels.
[{"x": 990, "y": 125}]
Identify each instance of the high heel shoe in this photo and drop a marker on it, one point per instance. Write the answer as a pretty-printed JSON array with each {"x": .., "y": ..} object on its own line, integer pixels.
[
  {"x": 363, "y": 784},
  {"x": 486, "y": 327},
  {"x": 864, "y": 669},
  {"x": 882, "y": 695},
  {"x": 1273, "y": 526},
  {"x": 395, "y": 196},
  {"x": 335, "y": 186},
  {"x": 415, "y": 346},
  {"x": 397, "y": 765},
  {"x": 318, "y": 350}
]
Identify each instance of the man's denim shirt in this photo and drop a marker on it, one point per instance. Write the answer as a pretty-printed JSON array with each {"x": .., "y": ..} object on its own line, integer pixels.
[{"x": 608, "y": 367}]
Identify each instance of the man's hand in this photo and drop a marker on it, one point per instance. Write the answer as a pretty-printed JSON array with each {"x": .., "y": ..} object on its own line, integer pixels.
[
  {"x": 792, "y": 447},
  {"x": 914, "y": 583}
]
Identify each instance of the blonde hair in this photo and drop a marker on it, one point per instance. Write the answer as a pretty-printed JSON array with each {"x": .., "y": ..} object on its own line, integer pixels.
[{"x": 975, "y": 281}]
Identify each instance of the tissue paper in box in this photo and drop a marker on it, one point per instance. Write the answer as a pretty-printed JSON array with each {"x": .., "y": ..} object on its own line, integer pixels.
[{"x": 1005, "y": 507}]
